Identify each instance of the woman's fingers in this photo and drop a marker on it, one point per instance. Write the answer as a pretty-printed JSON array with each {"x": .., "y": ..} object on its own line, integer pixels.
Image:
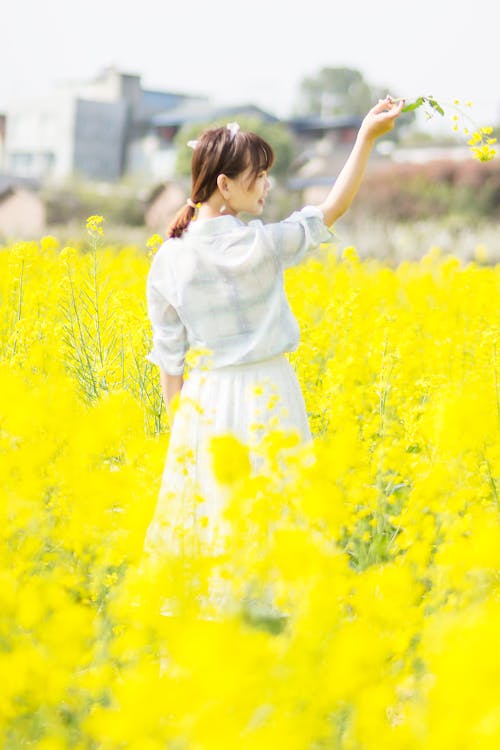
[
  {"x": 380, "y": 119},
  {"x": 388, "y": 106},
  {"x": 382, "y": 105},
  {"x": 396, "y": 108}
]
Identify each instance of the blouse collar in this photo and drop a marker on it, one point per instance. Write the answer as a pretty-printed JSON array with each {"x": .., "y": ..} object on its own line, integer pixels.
[{"x": 216, "y": 225}]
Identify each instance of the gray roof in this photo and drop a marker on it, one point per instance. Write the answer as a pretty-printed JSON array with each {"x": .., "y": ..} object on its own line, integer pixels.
[
  {"x": 8, "y": 183},
  {"x": 157, "y": 102},
  {"x": 200, "y": 111},
  {"x": 316, "y": 122}
]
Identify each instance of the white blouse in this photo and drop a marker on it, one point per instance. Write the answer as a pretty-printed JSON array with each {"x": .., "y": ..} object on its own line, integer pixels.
[{"x": 219, "y": 288}]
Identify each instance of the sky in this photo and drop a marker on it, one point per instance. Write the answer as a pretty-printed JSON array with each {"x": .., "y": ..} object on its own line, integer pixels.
[{"x": 256, "y": 51}]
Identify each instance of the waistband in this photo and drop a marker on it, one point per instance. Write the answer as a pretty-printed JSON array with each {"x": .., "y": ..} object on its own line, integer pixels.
[{"x": 254, "y": 364}]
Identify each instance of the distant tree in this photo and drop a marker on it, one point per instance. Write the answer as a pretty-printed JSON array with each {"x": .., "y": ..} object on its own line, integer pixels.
[
  {"x": 343, "y": 91},
  {"x": 275, "y": 133},
  {"x": 335, "y": 91}
]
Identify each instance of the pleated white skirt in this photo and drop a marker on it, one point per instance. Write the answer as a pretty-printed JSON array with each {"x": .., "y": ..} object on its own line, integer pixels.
[{"x": 244, "y": 400}]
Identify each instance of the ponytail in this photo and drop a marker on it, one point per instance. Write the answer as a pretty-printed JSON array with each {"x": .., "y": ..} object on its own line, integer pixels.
[{"x": 180, "y": 221}]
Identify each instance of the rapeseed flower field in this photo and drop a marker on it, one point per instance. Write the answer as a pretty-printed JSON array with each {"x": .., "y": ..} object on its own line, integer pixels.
[{"x": 379, "y": 542}]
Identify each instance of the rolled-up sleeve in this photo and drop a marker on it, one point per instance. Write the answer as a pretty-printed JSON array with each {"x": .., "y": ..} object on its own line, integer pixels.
[
  {"x": 170, "y": 342},
  {"x": 301, "y": 231}
]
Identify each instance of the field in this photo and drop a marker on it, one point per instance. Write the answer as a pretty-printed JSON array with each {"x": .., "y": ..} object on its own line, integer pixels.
[{"x": 380, "y": 541}]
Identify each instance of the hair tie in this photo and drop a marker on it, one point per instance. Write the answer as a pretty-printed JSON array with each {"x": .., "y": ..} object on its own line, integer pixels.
[
  {"x": 233, "y": 128},
  {"x": 192, "y": 203}
]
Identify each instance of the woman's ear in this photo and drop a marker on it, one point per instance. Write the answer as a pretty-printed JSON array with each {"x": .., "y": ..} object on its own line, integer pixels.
[{"x": 223, "y": 185}]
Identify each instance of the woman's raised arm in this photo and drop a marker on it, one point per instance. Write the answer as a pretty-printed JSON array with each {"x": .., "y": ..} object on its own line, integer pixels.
[{"x": 378, "y": 121}]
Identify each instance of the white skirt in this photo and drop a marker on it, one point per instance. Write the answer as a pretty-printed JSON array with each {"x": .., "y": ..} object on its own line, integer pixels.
[{"x": 244, "y": 400}]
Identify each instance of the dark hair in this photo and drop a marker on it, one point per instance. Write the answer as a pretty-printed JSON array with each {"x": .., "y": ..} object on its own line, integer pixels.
[{"x": 217, "y": 152}]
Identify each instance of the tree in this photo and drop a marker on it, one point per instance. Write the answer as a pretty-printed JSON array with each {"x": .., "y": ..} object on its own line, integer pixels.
[
  {"x": 337, "y": 91},
  {"x": 344, "y": 91}
]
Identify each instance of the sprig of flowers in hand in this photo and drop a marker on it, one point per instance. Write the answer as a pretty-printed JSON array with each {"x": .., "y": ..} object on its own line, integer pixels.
[{"x": 480, "y": 141}]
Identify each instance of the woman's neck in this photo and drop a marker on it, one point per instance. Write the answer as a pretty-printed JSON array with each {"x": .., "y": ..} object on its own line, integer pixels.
[{"x": 211, "y": 209}]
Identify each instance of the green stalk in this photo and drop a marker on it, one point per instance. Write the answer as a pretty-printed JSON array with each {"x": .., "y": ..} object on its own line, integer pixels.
[
  {"x": 19, "y": 305},
  {"x": 496, "y": 382},
  {"x": 82, "y": 340},
  {"x": 96, "y": 305}
]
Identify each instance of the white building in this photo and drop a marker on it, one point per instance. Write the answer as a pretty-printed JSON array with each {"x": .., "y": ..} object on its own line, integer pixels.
[
  {"x": 98, "y": 129},
  {"x": 2, "y": 141}
]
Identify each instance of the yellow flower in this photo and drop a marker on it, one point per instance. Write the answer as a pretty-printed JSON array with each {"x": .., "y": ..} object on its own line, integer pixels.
[
  {"x": 174, "y": 405},
  {"x": 349, "y": 253},
  {"x": 94, "y": 225},
  {"x": 154, "y": 243},
  {"x": 49, "y": 243},
  {"x": 475, "y": 138},
  {"x": 199, "y": 357},
  {"x": 481, "y": 253},
  {"x": 401, "y": 435},
  {"x": 230, "y": 458},
  {"x": 483, "y": 153},
  {"x": 480, "y": 145},
  {"x": 68, "y": 253}
]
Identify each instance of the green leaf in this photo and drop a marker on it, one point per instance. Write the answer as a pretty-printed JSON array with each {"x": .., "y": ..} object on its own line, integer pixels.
[
  {"x": 434, "y": 104},
  {"x": 414, "y": 105}
]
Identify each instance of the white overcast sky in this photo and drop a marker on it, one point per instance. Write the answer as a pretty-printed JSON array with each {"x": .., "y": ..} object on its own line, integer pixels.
[{"x": 241, "y": 51}]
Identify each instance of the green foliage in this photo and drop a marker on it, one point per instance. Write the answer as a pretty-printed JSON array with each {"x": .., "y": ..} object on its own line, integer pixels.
[
  {"x": 414, "y": 105},
  {"x": 420, "y": 101},
  {"x": 77, "y": 200},
  {"x": 275, "y": 133}
]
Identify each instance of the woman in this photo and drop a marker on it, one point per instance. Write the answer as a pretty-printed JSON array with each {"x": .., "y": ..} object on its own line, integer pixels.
[{"x": 215, "y": 287}]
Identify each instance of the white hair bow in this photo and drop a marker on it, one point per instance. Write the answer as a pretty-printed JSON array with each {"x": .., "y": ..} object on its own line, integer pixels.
[{"x": 233, "y": 128}]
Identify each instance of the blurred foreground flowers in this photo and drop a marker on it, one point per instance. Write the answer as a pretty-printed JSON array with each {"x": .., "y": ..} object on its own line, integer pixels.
[{"x": 379, "y": 542}]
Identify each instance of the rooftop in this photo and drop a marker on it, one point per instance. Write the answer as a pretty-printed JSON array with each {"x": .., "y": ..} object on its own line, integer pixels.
[{"x": 191, "y": 112}]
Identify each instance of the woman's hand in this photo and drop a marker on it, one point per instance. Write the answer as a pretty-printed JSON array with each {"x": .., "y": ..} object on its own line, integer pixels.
[
  {"x": 171, "y": 386},
  {"x": 380, "y": 119}
]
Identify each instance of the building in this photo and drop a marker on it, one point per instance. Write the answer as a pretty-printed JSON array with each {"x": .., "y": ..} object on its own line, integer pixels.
[
  {"x": 90, "y": 129},
  {"x": 163, "y": 203},
  {"x": 111, "y": 126},
  {"x": 155, "y": 155},
  {"x": 22, "y": 213},
  {"x": 323, "y": 144},
  {"x": 2, "y": 140}
]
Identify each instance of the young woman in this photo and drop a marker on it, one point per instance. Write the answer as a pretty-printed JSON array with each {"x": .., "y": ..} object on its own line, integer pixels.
[{"x": 215, "y": 287}]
